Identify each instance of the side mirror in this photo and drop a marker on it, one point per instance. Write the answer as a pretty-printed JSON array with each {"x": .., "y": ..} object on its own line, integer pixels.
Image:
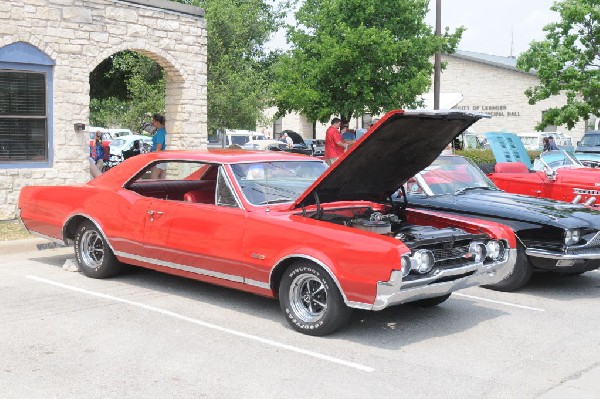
[
  {"x": 550, "y": 174},
  {"x": 579, "y": 143}
]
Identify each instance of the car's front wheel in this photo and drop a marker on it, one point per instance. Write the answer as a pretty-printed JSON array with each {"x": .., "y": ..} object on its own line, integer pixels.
[
  {"x": 310, "y": 300},
  {"x": 94, "y": 256}
]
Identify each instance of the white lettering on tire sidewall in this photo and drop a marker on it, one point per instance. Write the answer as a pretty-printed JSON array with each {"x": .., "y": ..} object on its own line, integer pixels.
[{"x": 290, "y": 314}]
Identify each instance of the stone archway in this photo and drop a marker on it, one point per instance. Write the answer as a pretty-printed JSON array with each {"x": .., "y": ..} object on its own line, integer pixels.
[{"x": 77, "y": 36}]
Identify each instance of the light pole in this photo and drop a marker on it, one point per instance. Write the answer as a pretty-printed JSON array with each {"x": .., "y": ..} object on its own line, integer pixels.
[{"x": 437, "y": 66}]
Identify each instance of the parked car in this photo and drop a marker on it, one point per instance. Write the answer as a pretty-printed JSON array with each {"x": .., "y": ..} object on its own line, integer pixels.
[
  {"x": 555, "y": 174},
  {"x": 322, "y": 240},
  {"x": 590, "y": 142},
  {"x": 106, "y": 137},
  {"x": 317, "y": 147},
  {"x": 119, "y": 132},
  {"x": 127, "y": 146},
  {"x": 534, "y": 141},
  {"x": 224, "y": 139},
  {"x": 551, "y": 235}
]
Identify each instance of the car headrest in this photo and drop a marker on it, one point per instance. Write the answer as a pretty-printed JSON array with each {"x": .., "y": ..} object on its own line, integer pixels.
[{"x": 510, "y": 167}]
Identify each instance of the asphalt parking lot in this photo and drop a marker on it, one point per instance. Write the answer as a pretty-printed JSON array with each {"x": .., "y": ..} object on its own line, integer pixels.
[{"x": 146, "y": 334}]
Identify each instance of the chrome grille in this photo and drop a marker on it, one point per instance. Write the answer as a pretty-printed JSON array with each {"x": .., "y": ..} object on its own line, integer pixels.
[{"x": 445, "y": 254}]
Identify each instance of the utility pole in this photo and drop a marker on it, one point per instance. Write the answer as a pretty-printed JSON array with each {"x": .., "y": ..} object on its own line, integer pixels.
[{"x": 438, "y": 57}]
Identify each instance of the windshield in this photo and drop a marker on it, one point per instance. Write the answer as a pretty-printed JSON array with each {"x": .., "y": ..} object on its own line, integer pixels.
[
  {"x": 590, "y": 140},
  {"x": 118, "y": 143},
  {"x": 276, "y": 182},
  {"x": 557, "y": 159},
  {"x": 448, "y": 175}
]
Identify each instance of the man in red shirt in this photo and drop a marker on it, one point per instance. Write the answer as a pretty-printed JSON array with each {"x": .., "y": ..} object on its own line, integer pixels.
[{"x": 334, "y": 144}]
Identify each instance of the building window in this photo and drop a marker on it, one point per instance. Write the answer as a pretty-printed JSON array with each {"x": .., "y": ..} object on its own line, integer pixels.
[
  {"x": 26, "y": 80},
  {"x": 23, "y": 118}
]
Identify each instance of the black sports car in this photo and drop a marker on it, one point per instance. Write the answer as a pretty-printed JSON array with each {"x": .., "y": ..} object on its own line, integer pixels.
[{"x": 552, "y": 235}]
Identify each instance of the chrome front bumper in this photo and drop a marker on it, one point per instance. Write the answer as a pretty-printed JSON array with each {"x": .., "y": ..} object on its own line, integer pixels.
[
  {"x": 541, "y": 253},
  {"x": 396, "y": 292}
]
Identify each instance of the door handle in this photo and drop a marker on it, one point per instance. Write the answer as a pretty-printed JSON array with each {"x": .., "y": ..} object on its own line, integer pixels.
[{"x": 152, "y": 213}]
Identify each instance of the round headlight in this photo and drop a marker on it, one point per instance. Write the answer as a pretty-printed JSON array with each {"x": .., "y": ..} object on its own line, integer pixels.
[
  {"x": 493, "y": 250},
  {"x": 422, "y": 261},
  {"x": 477, "y": 249},
  {"x": 572, "y": 237}
]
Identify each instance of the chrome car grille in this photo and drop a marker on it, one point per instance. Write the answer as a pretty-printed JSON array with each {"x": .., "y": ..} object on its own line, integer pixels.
[
  {"x": 443, "y": 254},
  {"x": 449, "y": 255}
]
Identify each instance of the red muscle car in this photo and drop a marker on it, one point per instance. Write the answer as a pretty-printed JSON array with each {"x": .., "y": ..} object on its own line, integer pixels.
[
  {"x": 557, "y": 175},
  {"x": 324, "y": 241}
]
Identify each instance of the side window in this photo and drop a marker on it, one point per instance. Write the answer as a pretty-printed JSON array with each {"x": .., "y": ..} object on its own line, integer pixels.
[
  {"x": 225, "y": 195},
  {"x": 184, "y": 181}
]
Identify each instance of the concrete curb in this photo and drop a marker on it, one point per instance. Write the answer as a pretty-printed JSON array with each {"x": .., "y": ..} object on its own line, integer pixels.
[{"x": 27, "y": 245}]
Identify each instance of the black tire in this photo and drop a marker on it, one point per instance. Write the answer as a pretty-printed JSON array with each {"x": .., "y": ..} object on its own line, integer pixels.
[
  {"x": 430, "y": 302},
  {"x": 93, "y": 254},
  {"x": 520, "y": 275},
  {"x": 311, "y": 301}
]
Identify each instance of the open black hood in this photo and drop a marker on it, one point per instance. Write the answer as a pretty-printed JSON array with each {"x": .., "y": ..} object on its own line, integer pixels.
[{"x": 401, "y": 144}]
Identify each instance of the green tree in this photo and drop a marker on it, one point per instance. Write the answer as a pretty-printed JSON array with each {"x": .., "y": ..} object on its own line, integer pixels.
[
  {"x": 567, "y": 62},
  {"x": 124, "y": 89},
  {"x": 349, "y": 57},
  {"x": 238, "y": 84}
]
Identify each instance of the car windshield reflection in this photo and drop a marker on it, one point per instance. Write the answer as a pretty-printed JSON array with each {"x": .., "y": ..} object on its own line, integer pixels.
[
  {"x": 276, "y": 182},
  {"x": 554, "y": 160},
  {"x": 448, "y": 175}
]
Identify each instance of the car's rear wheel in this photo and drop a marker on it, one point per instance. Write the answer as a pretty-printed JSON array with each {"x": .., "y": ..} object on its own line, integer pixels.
[
  {"x": 430, "y": 302},
  {"x": 310, "y": 300},
  {"x": 520, "y": 275},
  {"x": 94, "y": 256}
]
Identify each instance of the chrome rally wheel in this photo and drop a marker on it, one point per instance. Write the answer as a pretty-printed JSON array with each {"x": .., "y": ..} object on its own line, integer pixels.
[
  {"x": 92, "y": 249},
  {"x": 308, "y": 297},
  {"x": 94, "y": 256}
]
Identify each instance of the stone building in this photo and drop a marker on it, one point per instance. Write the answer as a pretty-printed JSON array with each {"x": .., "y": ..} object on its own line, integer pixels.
[
  {"x": 48, "y": 49},
  {"x": 472, "y": 82}
]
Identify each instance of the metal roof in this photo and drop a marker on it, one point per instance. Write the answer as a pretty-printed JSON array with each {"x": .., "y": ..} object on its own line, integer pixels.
[{"x": 492, "y": 60}]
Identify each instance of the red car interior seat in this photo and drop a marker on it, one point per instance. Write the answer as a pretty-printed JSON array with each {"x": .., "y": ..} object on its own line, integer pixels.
[
  {"x": 200, "y": 196},
  {"x": 510, "y": 167}
]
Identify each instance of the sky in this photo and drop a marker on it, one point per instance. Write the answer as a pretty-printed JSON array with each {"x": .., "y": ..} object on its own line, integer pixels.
[{"x": 490, "y": 24}]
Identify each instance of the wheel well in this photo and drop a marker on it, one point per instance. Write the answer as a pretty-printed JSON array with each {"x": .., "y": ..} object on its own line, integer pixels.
[
  {"x": 71, "y": 227},
  {"x": 280, "y": 269}
]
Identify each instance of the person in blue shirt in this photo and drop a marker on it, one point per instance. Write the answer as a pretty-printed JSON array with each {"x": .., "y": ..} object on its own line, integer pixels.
[{"x": 159, "y": 143}]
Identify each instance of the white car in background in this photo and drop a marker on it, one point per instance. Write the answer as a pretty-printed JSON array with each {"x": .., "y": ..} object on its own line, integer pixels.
[
  {"x": 124, "y": 147},
  {"x": 119, "y": 132},
  {"x": 125, "y": 143}
]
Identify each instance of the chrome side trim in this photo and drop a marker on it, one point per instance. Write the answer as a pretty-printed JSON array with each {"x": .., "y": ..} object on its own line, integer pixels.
[
  {"x": 258, "y": 284},
  {"x": 186, "y": 268},
  {"x": 542, "y": 253},
  {"x": 394, "y": 292}
]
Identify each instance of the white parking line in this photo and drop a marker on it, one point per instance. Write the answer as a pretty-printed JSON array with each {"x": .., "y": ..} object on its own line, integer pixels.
[
  {"x": 209, "y": 325},
  {"x": 514, "y": 305}
]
